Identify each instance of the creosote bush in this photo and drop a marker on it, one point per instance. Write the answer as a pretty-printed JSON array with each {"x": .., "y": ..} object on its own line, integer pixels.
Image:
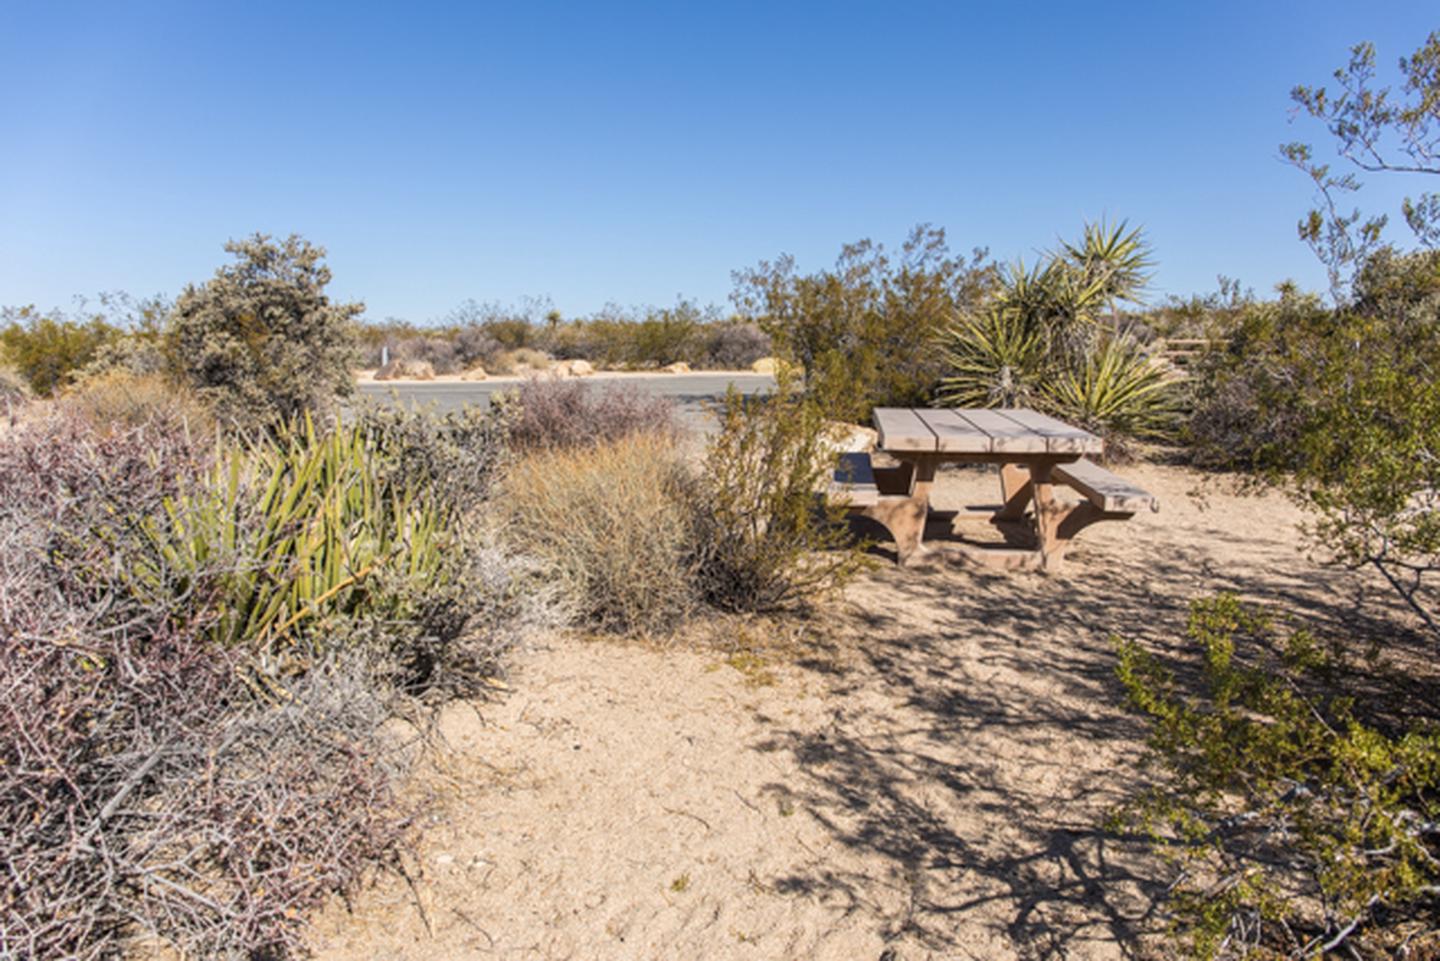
[
  {"x": 764, "y": 536},
  {"x": 1299, "y": 821}
]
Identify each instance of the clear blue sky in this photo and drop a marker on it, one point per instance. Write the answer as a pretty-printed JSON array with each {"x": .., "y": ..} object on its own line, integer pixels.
[{"x": 598, "y": 152}]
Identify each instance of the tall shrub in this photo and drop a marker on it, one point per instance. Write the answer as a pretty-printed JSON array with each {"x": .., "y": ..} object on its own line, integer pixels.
[
  {"x": 261, "y": 339},
  {"x": 864, "y": 331}
]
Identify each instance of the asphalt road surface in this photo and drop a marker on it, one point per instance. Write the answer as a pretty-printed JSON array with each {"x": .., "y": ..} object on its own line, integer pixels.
[{"x": 692, "y": 393}]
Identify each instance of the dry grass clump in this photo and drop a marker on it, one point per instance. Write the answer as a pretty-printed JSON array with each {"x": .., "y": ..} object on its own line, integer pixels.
[
  {"x": 566, "y": 413},
  {"x": 120, "y": 399},
  {"x": 612, "y": 525}
]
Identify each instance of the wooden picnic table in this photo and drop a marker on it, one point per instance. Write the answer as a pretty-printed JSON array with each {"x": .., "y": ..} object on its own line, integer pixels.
[{"x": 1034, "y": 452}]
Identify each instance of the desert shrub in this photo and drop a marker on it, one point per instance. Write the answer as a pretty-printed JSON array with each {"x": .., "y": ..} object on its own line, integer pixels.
[
  {"x": 864, "y": 332},
  {"x": 476, "y": 346},
  {"x": 456, "y": 455},
  {"x": 441, "y": 353},
  {"x": 144, "y": 793},
  {"x": 1342, "y": 409},
  {"x": 261, "y": 341},
  {"x": 764, "y": 538},
  {"x": 289, "y": 535},
  {"x": 610, "y": 522},
  {"x": 568, "y": 413},
  {"x": 150, "y": 793},
  {"x": 733, "y": 345},
  {"x": 125, "y": 400},
  {"x": 518, "y": 361},
  {"x": 136, "y": 354},
  {"x": 1296, "y": 825},
  {"x": 1249, "y": 390},
  {"x": 48, "y": 350}
]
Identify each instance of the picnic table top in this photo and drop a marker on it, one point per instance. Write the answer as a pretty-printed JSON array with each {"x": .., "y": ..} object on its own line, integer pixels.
[{"x": 964, "y": 430}]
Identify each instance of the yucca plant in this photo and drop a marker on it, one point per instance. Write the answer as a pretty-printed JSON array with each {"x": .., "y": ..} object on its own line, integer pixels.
[
  {"x": 291, "y": 534},
  {"x": 1116, "y": 392},
  {"x": 996, "y": 360}
]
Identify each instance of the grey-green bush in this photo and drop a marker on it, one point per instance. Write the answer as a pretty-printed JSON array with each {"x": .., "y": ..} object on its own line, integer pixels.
[{"x": 261, "y": 340}]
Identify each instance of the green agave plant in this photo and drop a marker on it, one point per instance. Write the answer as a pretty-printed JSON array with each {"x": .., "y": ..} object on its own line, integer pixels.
[
  {"x": 292, "y": 533},
  {"x": 995, "y": 359},
  {"x": 1117, "y": 390}
]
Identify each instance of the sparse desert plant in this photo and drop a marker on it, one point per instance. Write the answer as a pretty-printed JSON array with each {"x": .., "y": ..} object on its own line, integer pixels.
[
  {"x": 610, "y": 522},
  {"x": 864, "y": 331},
  {"x": 734, "y": 345},
  {"x": 261, "y": 341},
  {"x": 548, "y": 413},
  {"x": 765, "y": 538},
  {"x": 441, "y": 353},
  {"x": 14, "y": 391}
]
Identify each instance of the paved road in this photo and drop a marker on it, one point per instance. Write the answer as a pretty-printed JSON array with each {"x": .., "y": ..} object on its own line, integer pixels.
[{"x": 692, "y": 393}]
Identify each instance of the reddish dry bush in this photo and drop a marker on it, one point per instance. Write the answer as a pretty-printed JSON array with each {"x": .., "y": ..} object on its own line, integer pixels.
[
  {"x": 144, "y": 789},
  {"x": 567, "y": 413}
]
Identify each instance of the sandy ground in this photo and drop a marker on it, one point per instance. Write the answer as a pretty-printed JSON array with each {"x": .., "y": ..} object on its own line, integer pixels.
[{"x": 924, "y": 775}]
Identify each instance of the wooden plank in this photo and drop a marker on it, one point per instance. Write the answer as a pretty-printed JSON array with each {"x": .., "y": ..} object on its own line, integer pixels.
[
  {"x": 1060, "y": 437},
  {"x": 1006, "y": 436},
  {"x": 1107, "y": 491},
  {"x": 900, "y": 428},
  {"x": 954, "y": 433}
]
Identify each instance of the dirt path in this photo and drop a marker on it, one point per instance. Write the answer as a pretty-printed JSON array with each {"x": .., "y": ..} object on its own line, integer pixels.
[{"x": 926, "y": 779}]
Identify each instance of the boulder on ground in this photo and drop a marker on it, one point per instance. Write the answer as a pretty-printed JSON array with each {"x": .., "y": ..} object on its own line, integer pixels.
[
  {"x": 406, "y": 370},
  {"x": 843, "y": 438},
  {"x": 679, "y": 367},
  {"x": 773, "y": 366},
  {"x": 474, "y": 373},
  {"x": 572, "y": 368}
]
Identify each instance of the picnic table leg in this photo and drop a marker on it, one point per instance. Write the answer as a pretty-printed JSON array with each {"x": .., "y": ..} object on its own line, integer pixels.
[
  {"x": 1015, "y": 488},
  {"x": 1049, "y": 513},
  {"x": 905, "y": 519}
]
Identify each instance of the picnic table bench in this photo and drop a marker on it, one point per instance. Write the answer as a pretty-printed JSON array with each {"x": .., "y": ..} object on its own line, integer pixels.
[{"x": 1034, "y": 452}]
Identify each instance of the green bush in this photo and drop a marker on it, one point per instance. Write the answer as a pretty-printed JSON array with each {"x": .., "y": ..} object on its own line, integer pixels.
[
  {"x": 764, "y": 537},
  {"x": 261, "y": 341},
  {"x": 1296, "y": 825},
  {"x": 865, "y": 331},
  {"x": 1341, "y": 407},
  {"x": 48, "y": 350},
  {"x": 994, "y": 359}
]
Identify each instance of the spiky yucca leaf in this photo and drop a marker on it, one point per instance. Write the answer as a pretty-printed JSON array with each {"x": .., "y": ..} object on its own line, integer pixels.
[
  {"x": 290, "y": 533},
  {"x": 996, "y": 359},
  {"x": 1117, "y": 392}
]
